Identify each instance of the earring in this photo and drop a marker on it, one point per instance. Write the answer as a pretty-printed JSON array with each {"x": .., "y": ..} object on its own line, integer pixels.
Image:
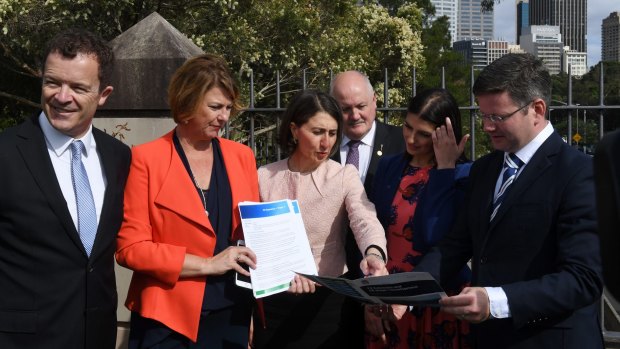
[
  {"x": 184, "y": 122},
  {"x": 294, "y": 140}
]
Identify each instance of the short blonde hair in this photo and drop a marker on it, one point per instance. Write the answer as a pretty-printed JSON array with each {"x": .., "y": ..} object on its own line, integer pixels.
[{"x": 193, "y": 79}]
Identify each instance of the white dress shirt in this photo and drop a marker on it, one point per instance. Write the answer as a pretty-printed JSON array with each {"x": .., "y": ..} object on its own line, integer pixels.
[
  {"x": 58, "y": 147},
  {"x": 365, "y": 150},
  {"x": 498, "y": 302}
]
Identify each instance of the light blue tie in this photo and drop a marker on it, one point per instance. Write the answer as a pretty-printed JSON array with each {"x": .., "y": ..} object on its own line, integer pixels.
[
  {"x": 511, "y": 165},
  {"x": 86, "y": 212}
]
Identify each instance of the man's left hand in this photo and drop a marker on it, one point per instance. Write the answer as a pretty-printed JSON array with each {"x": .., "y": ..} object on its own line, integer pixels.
[{"x": 472, "y": 305}]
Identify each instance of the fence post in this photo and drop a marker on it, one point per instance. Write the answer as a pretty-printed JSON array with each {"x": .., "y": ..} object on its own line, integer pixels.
[
  {"x": 278, "y": 121},
  {"x": 252, "y": 140},
  {"x": 386, "y": 95},
  {"x": 303, "y": 82},
  {"x": 443, "y": 77},
  {"x": 569, "y": 125},
  {"x": 413, "y": 82},
  {"x": 601, "y": 101},
  {"x": 472, "y": 115}
]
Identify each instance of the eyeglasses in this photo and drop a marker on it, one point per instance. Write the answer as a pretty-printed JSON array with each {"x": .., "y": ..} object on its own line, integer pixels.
[{"x": 500, "y": 118}]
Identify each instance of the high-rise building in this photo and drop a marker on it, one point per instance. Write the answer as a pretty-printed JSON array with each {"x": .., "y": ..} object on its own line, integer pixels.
[
  {"x": 577, "y": 61},
  {"x": 515, "y": 49},
  {"x": 496, "y": 49},
  {"x": 474, "y": 52},
  {"x": 569, "y": 15},
  {"x": 448, "y": 8},
  {"x": 472, "y": 22},
  {"x": 545, "y": 43},
  {"x": 610, "y": 38},
  {"x": 523, "y": 17}
]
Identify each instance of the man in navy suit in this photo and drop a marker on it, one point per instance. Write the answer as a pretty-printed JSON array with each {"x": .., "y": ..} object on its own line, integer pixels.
[
  {"x": 533, "y": 243},
  {"x": 57, "y": 241}
]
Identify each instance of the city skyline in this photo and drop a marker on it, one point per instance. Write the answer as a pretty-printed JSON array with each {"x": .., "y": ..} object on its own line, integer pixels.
[{"x": 505, "y": 14}]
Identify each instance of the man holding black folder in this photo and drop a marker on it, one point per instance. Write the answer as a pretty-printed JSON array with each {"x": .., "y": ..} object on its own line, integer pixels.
[{"x": 528, "y": 224}]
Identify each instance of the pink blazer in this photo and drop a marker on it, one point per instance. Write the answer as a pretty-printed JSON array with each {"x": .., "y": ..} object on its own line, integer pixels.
[{"x": 163, "y": 220}]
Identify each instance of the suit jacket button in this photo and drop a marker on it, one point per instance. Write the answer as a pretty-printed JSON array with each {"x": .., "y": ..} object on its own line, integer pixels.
[
  {"x": 483, "y": 260},
  {"x": 91, "y": 269}
]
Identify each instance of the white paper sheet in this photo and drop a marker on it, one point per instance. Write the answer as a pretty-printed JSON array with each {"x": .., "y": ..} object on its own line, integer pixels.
[{"x": 275, "y": 232}]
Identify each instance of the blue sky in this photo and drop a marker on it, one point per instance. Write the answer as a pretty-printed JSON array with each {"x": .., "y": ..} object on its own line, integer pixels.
[{"x": 505, "y": 14}]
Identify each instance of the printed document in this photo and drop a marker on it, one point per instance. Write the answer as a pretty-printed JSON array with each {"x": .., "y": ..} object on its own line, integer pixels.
[{"x": 275, "y": 232}]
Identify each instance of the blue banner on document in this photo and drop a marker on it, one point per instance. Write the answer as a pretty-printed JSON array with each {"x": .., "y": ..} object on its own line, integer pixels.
[{"x": 264, "y": 209}]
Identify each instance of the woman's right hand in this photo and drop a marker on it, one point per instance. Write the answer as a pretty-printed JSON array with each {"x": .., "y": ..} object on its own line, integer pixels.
[
  {"x": 229, "y": 259},
  {"x": 447, "y": 151},
  {"x": 301, "y": 285}
]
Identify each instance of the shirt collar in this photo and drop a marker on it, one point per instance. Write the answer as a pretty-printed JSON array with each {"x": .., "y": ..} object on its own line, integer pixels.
[
  {"x": 526, "y": 153},
  {"x": 368, "y": 139},
  {"x": 58, "y": 141}
]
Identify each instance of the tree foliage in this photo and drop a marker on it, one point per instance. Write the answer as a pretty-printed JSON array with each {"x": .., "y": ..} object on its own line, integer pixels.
[
  {"x": 319, "y": 36},
  {"x": 487, "y": 5},
  {"x": 586, "y": 91}
]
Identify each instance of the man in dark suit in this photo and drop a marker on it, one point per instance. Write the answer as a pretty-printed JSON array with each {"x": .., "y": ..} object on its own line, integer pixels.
[
  {"x": 528, "y": 224},
  {"x": 358, "y": 102},
  {"x": 61, "y": 205},
  {"x": 607, "y": 178}
]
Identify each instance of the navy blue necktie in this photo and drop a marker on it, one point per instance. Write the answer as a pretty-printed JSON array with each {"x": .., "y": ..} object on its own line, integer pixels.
[
  {"x": 511, "y": 166},
  {"x": 86, "y": 212}
]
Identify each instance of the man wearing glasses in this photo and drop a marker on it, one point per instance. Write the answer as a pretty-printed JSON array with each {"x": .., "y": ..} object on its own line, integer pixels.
[{"x": 528, "y": 223}]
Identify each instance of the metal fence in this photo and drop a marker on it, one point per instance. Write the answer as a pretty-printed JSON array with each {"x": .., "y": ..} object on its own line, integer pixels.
[{"x": 262, "y": 141}]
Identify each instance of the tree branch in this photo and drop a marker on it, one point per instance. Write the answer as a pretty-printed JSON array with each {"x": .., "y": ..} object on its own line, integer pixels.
[
  {"x": 20, "y": 99},
  {"x": 17, "y": 62}
]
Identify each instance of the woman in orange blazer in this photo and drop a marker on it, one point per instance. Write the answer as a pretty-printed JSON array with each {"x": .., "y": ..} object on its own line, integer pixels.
[{"x": 181, "y": 220}]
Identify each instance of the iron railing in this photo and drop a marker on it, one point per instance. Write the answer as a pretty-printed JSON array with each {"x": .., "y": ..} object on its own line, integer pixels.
[{"x": 266, "y": 149}]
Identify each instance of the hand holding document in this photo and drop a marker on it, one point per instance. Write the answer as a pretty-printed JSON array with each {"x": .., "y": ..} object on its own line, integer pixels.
[
  {"x": 412, "y": 288},
  {"x": 276, "y": 234}
]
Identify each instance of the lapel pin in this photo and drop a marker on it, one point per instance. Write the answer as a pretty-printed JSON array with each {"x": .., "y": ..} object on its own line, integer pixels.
[{"x": 379, "y": 152}]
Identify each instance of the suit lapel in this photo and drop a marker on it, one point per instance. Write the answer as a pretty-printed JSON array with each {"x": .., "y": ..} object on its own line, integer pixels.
[
  {"x": 380, "y": 135},
  {"x": 178, "y": 193},
  {"x": 487, "y": 189},
  {"x": 33, "y": 149},
  {"x": 239, "y": 185},
  {"x": 109, "y": 167},
  {"x": 533, "y": 170}
]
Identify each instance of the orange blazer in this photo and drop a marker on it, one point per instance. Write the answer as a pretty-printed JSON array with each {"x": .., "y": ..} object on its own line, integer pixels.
[{"x": 163, "y": 220}]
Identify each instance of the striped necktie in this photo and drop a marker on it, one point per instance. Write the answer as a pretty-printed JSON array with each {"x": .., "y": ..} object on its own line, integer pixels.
[
  {"x": 511, "y": 167},
  {"x": 86, "y": 212}
]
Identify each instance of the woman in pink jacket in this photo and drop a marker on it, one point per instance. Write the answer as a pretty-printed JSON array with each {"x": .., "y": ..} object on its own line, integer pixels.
[{"x": 331, "y": 197}]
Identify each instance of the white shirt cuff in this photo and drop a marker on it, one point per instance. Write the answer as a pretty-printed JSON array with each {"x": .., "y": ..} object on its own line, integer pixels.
[{"x": 498, "y": 303}]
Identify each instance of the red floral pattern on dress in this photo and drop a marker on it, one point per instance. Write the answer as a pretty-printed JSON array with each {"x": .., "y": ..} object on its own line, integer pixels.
[{"x": 423, "y": 328}]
